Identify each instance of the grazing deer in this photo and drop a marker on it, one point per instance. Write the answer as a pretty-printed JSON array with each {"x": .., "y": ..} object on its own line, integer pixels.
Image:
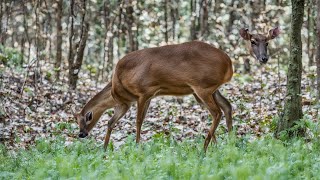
[{"x": 190, "y": 68}]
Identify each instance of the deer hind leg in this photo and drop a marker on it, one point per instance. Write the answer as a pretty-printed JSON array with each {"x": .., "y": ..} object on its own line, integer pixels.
[
  {"x": 225, "y": 106},
  {"x": 143, "y": 105},
  {"x": 119, "y": 112},
  {"x": 208, "y": 100}
]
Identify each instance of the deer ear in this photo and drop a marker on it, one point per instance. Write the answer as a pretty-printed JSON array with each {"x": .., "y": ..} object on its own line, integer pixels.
[
  {"x": 89, "y": 116},
  {"x": 245, "y": 34},
  {"x": 273, "y": 33}
]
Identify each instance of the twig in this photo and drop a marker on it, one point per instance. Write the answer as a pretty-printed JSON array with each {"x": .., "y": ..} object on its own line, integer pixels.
[{"x": 25, "y": 78}]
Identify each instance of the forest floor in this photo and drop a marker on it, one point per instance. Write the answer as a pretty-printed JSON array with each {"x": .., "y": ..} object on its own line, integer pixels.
[{"x": 32, "y": 110}]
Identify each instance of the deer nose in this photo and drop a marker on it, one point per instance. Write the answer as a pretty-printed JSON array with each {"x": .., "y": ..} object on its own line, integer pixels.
[
  {"x": 82, "y": 135},
  {"x": 265, "y": 59}
]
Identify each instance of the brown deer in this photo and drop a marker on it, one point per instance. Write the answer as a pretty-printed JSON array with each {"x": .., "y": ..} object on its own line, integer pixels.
[{"x": 190, "y": 68}]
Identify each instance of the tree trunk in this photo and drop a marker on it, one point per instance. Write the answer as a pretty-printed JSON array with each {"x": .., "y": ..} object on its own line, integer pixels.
[
  {"x": 174, "y": 15},
  {"x": 193, "y": 8},
  {"x": 166, "y": 21},
  {"x": 217, "y": 7},
  {"x": 318, "y": 49},
  {"x": 130, "y": 22},
  {"x": 204, "y": 18},
  {"x": 232, "y": 18},
  {"x": 57, "y": 65},
  {"x": 293, "y": 108},
  {"x": 1, "y": 15},
  {"x": 309, "y": 30},
  {"x": 75, "y": 59},
  {"x": 119, "y": 28}
]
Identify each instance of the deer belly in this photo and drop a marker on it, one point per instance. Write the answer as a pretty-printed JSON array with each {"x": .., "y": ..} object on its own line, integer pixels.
[{"x": 175, "y": 91}]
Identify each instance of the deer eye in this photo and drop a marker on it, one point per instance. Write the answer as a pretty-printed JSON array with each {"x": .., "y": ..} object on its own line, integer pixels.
[
  {"x": 267, "y": 44},
  {"x": 253, "y": 43}
]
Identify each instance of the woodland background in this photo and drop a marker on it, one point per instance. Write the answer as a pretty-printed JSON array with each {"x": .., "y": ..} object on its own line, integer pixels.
[{"x": 55, "y": 55}]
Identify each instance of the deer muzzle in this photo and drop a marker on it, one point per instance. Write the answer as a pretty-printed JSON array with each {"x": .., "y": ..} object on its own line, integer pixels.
[{"x": 83, "y": 134}]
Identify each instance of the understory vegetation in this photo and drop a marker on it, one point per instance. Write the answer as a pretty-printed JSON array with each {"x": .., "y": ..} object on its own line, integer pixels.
[{"x": 165, "y": 158}]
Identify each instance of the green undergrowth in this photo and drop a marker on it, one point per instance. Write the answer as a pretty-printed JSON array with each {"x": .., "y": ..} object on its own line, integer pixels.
[{"x": 165, "y": 158}]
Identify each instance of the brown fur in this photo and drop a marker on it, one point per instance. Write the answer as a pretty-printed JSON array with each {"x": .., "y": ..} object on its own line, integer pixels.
[{"x": 189, "y": 68}]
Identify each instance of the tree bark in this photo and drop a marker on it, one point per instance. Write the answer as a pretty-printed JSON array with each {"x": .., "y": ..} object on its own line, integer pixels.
[
  {"x": 309, "y": 30},
  {"x": 1, "y": 15},
  {"x": 293, "y": 107},
  {"x": 318, "y": 49},
  {"x": 217, "y": 7},
  {"x": 75, "y": 59},
  {"x": 57, "y": 65},
  {"x": 204, "y": 18},
  {"x": 166, "y": 20},
  {"x": 232, "y": 18},
  {"x": 193, "y": 34},
  {"x": 174, "y": 16},
  {"x": 130, "y": 22},
  {"x": 119, "y": 33}
]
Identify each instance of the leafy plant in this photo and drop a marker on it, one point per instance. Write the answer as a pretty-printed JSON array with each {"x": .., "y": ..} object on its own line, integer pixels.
[{"x": 10, "y": 57}]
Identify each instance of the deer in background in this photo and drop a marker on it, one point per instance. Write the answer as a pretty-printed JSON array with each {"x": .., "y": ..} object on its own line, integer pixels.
[
  {"x": 257, "y": 43},
  {"x": 190, "y": 68}
]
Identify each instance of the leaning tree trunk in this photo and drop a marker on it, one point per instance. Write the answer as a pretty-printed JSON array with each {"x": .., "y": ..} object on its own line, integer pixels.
[
  {"x": 76, "y": 50},
  {"x": 293, "y": 108},
  {"x": 318, "y": 49}
]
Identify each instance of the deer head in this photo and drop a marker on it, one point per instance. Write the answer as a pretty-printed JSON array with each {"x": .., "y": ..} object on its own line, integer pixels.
[
  {"x": 84, "y": 121},
  {"x": 258, "y": 43}
]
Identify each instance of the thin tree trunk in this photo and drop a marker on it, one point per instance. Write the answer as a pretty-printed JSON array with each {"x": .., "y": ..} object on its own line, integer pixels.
[
  {"x": 166, "y": 20},
  {"x": 57, "y": 65},
  {"x": 217, "y": 7},
  {"x": 318, "y": 49},
  {"x": 309, "y": 36},
  {"x": 7, "y": 11},
  {"x": 293, "y": 106},
  {"x": 119, "y": 28},
  {"x": 26, "y": 30},
  {"x": 75, "y": 59},
  {"x": 174, "y": 15},
  {"x": 23, "y": 40},
  {"x": 193, "y": 34},
  {"x": 1, "y": 15},
  {"x": 37, "y": 75},
  {"x": 71, "y": 51},
  {"x": 106, "y": 14},
  {"x": 204, "y": 18},
  {"x": 130, "y": 21},
  {"x": 232, "y": 17}
]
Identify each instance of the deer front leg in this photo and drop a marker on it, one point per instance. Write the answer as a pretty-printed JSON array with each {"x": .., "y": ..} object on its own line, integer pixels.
[
  {"x": 143, "y": 105},
  {"x": 119, "y": 112}
]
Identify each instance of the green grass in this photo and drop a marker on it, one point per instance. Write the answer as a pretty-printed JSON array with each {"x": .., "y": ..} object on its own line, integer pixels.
[{"x": 164, "y": 158}]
